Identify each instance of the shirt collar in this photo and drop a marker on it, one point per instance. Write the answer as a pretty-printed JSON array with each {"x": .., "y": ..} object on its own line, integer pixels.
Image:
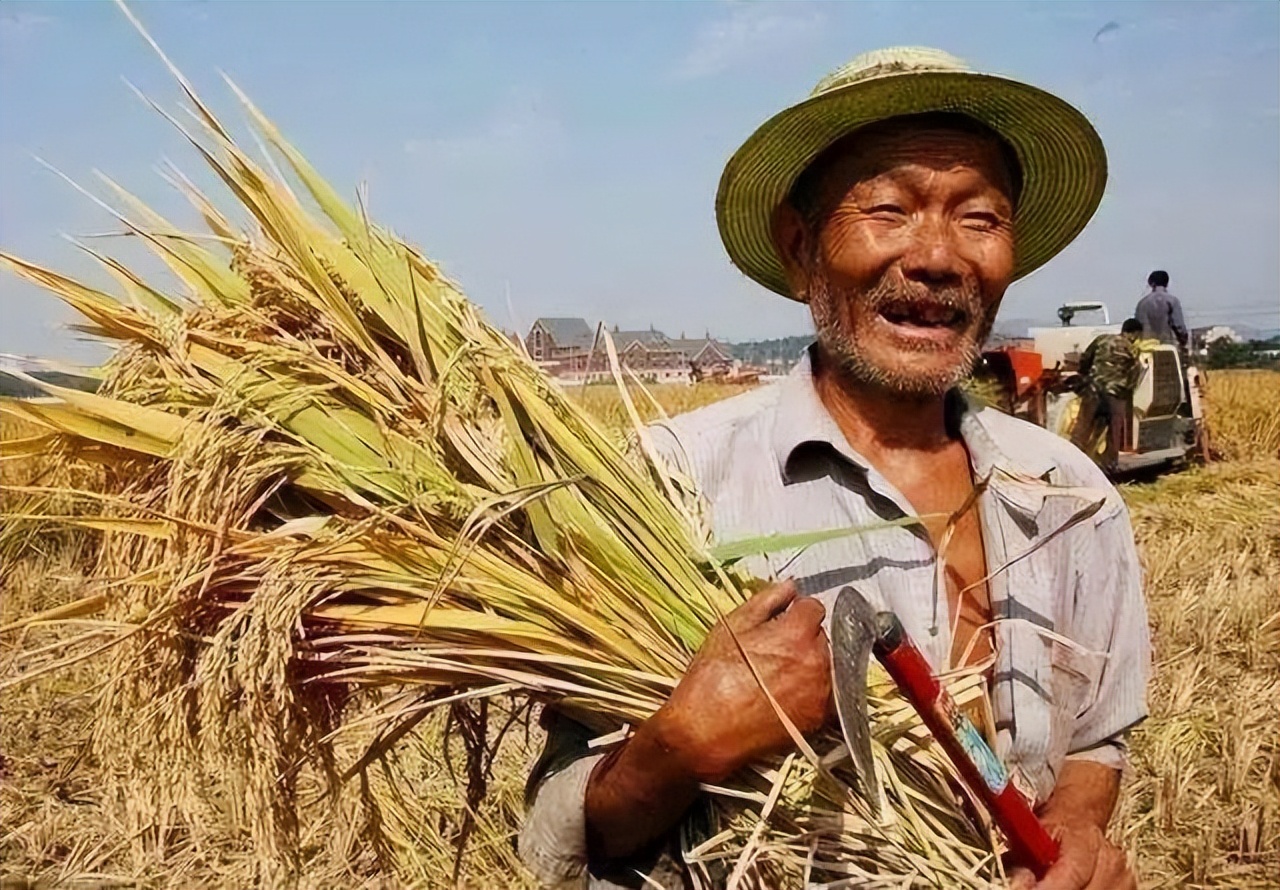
[
  {"x": 1018, "y": 472},
  {"x": 991, "y": 448},
  {"x": 800, "y": 419}
]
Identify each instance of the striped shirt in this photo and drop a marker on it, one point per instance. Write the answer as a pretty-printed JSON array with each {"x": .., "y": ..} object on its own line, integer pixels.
[{"x": 1072, "y": 641}]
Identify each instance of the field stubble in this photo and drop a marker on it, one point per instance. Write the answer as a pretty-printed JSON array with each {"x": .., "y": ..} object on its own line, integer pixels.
[{"x": 1201, "y": 805}]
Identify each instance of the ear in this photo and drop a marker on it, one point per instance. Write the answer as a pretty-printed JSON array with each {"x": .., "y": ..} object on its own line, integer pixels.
[{"x": 793, "y": 241}]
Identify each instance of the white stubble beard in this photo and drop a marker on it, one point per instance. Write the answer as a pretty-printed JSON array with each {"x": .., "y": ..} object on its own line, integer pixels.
[{"x": 843, "y": 346}]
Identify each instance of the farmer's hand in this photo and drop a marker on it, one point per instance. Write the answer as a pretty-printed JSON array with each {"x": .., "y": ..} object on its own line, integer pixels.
[
  {"x": 1088, "y": 861},
  {"x": 1076, "y": 816},
  {"x": 718, "y": 720}
]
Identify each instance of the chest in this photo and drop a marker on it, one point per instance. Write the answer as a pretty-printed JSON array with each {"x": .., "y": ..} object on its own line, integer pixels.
[
  {"x": 883, "y": 544},
  {"x": 945, "y": 498},
  {"x": 943, "y": 494}
]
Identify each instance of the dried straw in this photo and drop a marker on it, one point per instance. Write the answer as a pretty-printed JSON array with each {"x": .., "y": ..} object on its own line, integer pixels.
[{"x": 325, "y": 476}]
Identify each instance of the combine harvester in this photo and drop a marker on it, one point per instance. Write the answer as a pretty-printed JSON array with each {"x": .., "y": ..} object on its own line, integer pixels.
[{"x": 1038, "y": 381}]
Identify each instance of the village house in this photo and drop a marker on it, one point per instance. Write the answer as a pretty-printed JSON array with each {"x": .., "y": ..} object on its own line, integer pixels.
[
  {"x": 568, "y": 349},
  {"x": 707, "y": 356},
  {"x": 653, "y": 356},
  {"x": 562, "y": 346}
]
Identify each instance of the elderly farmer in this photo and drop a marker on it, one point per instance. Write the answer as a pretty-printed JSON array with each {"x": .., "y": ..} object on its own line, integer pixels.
[{"x": 899, "y": 201}]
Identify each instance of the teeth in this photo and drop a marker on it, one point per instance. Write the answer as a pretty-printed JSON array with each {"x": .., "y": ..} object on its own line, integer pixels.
[{"x": 922, "y": 314}]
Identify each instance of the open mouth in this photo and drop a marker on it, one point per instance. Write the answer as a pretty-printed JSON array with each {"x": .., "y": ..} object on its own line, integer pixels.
[{"x": 925, "y": 315}]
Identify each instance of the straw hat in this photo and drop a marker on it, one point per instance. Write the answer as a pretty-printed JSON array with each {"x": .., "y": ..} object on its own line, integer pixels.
[{"x": 1064, "y": 166}]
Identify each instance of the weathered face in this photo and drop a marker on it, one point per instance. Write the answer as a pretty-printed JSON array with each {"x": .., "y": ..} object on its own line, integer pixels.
[{"x": 905, "y": 254}]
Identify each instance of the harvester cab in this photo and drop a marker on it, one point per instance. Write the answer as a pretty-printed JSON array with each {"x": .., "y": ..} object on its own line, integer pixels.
[{"x": 1036, "y": 378}]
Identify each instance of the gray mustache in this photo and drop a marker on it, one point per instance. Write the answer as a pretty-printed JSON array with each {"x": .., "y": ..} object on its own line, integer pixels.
[{"x": 960, "y": 299}]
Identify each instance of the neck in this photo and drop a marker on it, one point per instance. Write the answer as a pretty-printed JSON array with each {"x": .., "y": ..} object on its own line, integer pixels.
[{"x": 875, "y": 420}]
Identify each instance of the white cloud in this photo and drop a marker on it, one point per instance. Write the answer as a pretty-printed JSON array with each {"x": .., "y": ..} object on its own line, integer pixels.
[
  {"x": 518, "y": 130},
  {"x": 747, "y": 32}
]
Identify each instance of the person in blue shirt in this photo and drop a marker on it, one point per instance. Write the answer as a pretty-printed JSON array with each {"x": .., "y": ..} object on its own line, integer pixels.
[{"x": 1161, "y": 312}]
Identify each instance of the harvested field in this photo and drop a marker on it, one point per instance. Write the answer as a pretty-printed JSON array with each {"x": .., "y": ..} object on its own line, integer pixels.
[{"x": 1201, "y": 807}]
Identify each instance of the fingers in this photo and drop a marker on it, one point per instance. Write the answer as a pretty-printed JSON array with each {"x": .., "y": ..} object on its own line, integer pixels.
[
  {"x": 804, "y": 616},
  {"x": 1088, "y": 862},
  {"x": 1113, "y": 871},
  {"x": 762, "y": 606},
  {"x": 1077, "y": 862},
  {"x": 1068, "y": 873},
  {"x": 1021, "y": 879}
]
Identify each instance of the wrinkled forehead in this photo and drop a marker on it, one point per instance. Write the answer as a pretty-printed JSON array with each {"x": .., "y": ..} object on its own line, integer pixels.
[{"x": 938, "y": 141}]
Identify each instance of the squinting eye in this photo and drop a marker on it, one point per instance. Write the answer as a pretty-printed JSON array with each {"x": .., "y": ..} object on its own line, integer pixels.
[
  {"x": 981, "y": 221},
  {"x": 885, "y": 210}
]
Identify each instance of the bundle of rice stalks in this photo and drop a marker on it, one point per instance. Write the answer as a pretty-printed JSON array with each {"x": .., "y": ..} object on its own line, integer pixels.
[{"x": 325, "y": 476}]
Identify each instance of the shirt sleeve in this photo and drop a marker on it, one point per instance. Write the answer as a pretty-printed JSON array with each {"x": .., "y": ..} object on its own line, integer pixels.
[
  {"x": 1086, "y": 360},
  {"x": 553, "y": 837},
  {"x": 1176, "y": 320},
  {"x": 1133, "y": 370},
  {"x": 1113, "y": 752},
  {"x": 1110, "y": 616}
]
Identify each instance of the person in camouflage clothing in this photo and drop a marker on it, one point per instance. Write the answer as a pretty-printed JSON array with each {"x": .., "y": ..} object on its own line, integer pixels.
[{"x": 1110, "y": 371}]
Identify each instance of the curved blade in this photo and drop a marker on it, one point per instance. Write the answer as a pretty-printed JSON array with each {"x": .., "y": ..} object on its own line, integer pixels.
[{"x": 852, "y": 633}]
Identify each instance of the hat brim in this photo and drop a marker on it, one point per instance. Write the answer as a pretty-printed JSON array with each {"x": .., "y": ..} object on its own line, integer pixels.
[{"x": 1064, "y": 165}]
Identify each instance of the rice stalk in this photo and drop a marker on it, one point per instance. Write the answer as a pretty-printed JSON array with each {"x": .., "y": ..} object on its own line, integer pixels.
[
  {"x": 324, "y": 476},
  {"x": 1243, "y": 420}
]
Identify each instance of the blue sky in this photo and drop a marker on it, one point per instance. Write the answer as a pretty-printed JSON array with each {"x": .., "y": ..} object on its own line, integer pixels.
[{"x": 562, "y": 158}]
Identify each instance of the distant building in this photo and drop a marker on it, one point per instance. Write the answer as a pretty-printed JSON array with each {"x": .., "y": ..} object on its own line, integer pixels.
[
  {"x": 568, "y": 349},
  {"x": 706, "y": 354},
  {"x": 649, "y": 354},
  {"x": 562, "y": 346},
  {"x": 654, "y": 356},
  {"x": 1202, "y": 337}
]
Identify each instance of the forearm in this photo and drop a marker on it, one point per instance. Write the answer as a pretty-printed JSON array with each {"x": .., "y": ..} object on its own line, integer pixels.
[
  {"x": 1086, "y": 793},
  {"x": 716, "y": 721},
  {"x": 637, "y": 793}
]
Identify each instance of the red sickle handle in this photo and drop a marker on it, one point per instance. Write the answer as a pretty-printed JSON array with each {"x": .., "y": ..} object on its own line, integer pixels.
[{"x": 982, "y": 771}]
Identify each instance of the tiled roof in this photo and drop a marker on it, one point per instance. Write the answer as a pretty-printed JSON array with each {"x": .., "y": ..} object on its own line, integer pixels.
[
  {"x": 568, "y": 332},
  {"x": 650, "y": 339},
  {"x": 692, "y": 346}
]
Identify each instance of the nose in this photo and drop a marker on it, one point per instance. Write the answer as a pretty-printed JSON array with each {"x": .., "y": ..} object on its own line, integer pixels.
[{"x": 932, "y": 255}]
